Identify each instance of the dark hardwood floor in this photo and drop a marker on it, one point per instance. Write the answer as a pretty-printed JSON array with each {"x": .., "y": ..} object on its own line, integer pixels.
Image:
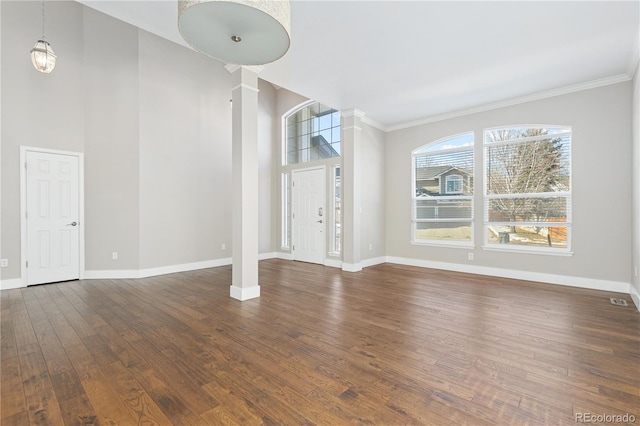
[{"x": 391, "y": 345}]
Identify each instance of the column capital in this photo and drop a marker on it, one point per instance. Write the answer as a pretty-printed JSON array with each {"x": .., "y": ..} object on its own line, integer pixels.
[
  {"x": 254, "y": 68},
  {"x": 353, "y": 113}
]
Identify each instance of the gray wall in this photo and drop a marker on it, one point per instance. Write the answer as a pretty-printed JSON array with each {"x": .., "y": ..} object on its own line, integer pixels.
[
  {"x": 635, "y": 188},
  {"x": 373, "y": 194},
  {"x": 601, "y": 146},
  {"x": 154, "y": 122}
]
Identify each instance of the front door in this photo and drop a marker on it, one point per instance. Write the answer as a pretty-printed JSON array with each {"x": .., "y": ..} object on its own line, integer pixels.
[
  {"x": 308, "y": 219},
  {"x": 52, "y": 217}
]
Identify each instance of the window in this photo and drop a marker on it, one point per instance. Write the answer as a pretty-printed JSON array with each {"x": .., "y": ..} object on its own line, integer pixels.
[
  {"x": 454, "y": 184},
  {"x": 336, "y": 235},
  {"x": 312, "y": 133},
  {"x": 442, "y": 210},
  {"x": 527, "y": 201}
]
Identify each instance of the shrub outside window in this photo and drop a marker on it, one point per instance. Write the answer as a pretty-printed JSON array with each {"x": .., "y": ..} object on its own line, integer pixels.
[{"x": 442, "y": 202}]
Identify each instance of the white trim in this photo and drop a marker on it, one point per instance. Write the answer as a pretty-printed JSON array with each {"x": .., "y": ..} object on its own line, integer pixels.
[
  {"x": 566, "y": 280},
  {"x": 620, "y": 78},
  {"x": 351, "y": 127},
  {"x": 634, "y": 59},
  {"x": 152, "y": 272},
  {"x": 468, "y": 245},
  {"x": 285, "y": 255},
  {"x": 243, "y": 294},
  {"x": 234, "y": 67},
  {"x": 333, "y": 263},
  {"x": 515, "y": 248},
  {"x": 245, "y": 86},
  {"x": 635, "y": 296},
  {"x": 373, "y": 123},
  {"x": 352, "y": 267},
  {"x": 11, "y": 284},
  {"x": 266, "y": 256},
  {"x": 373, "y": 261},
  {"x": 353, "y": 113},
  {"x": 23, "y": 207}
]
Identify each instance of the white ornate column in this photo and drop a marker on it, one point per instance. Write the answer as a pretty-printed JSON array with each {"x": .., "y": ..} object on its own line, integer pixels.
[
  {"x": 351, "y": 189},
  {"x": 244, "y": 155}
]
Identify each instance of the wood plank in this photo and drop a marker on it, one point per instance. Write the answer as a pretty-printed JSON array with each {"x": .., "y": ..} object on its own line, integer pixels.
[{"x": 392, "y": 344}]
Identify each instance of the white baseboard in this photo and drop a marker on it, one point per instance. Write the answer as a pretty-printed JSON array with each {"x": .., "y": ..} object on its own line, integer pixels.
[
  {"x": 374, "y": 261},
  {"x": 590, "y": 283},
  {"x": 11, "y": 284},
  {"x": 333, "y": 262},
  {"x": 243, "y": 294},
  {"x": 152, "y": 272},
  {"x": 266, "y": 256},
  {"x": 284, "y": 255},
  {"x": 635, "y": 296},
  {"x": 352, "y": 267}
]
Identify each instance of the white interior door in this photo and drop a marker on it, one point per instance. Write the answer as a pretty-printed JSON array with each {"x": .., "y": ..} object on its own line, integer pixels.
[
  {"x": 308, "y": 199},
  {"x": 52, "y": 217}
]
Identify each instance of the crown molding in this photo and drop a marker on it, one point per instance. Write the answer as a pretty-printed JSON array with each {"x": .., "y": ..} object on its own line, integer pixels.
[
  {"x": 514, "y": 101},
  {"x": 373, "y": 123},
  {"x": 353, "y": 113}
]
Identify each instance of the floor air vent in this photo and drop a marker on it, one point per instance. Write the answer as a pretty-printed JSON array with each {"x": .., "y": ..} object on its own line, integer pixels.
[{"x": 618, "y": 302}]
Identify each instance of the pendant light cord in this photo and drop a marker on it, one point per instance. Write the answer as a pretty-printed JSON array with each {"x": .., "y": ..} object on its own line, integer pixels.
[{"x": 43, "y": 37}]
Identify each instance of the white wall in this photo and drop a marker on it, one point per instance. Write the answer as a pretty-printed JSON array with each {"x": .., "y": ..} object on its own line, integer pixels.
[
  {"x": 635, "y": 189},
  {"x": 601, "y": 147},
  {"x": 154, "y": 122}
]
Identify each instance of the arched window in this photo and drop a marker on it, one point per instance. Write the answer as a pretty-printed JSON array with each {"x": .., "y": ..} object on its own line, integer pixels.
[
  {"x": 312, "y": 133},
  {"x": 442, "y": 210},
  {"x": 527, "y": 200}
]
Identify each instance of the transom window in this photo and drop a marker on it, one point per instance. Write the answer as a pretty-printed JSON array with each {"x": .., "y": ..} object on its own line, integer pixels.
[
  {"x": 442, "y": 210},
  {"x": 527, "y": 201},
  {"x": 312, "y": 133}
]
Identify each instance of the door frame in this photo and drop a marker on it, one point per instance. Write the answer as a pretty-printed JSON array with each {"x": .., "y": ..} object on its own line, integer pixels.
[
  {"x": 23, "y": 207},
  {"x": 324, "y": 202}
]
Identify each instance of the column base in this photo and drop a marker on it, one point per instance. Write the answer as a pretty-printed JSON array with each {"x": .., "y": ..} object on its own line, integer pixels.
[
  {"x": 243, "y": 294},
  {"x": 352, "y": 267}
]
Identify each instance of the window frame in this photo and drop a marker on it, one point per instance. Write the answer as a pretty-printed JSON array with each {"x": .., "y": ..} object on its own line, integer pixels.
[
  {"x": 458, "y": 183},
  {"x": 486, "y": 197}
]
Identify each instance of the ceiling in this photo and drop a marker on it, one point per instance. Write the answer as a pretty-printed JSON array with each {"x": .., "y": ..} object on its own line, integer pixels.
[{"x": 402, "y": 61}]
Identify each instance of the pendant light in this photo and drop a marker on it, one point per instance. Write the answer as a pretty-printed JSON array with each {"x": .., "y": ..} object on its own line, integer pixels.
[
  {"x": 42, "y": 56},
  {"x": 241, "y": 32}
]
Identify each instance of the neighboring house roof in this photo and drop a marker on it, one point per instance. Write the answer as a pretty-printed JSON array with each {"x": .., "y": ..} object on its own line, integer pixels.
[
  {"x": 324, "y": 148},
  {"x": 433, "y": 172}
]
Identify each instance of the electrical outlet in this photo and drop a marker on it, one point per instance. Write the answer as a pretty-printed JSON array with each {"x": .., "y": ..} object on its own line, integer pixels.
[
  {"x": 4, "y": 263},
  {"x": 223, "y": 246},
  {"x": 470, "y": 256},
  {"x": 114, "y": 255}
]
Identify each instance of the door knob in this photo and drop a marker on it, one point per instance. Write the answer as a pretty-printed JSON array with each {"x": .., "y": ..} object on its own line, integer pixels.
[
  {"x": 319, "y": 221},
  {"x": 74, "y": 223}
]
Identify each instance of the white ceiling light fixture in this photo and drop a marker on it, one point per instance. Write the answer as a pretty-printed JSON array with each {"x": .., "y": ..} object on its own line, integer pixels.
[
  {"x": 242, "y": 32},
  {"x": 42, "y": 56}
]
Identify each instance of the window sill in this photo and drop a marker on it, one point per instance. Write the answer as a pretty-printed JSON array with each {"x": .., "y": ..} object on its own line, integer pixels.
[
  {"x": 541, "y": 251},
  {"x": 447, "y": 244}
]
